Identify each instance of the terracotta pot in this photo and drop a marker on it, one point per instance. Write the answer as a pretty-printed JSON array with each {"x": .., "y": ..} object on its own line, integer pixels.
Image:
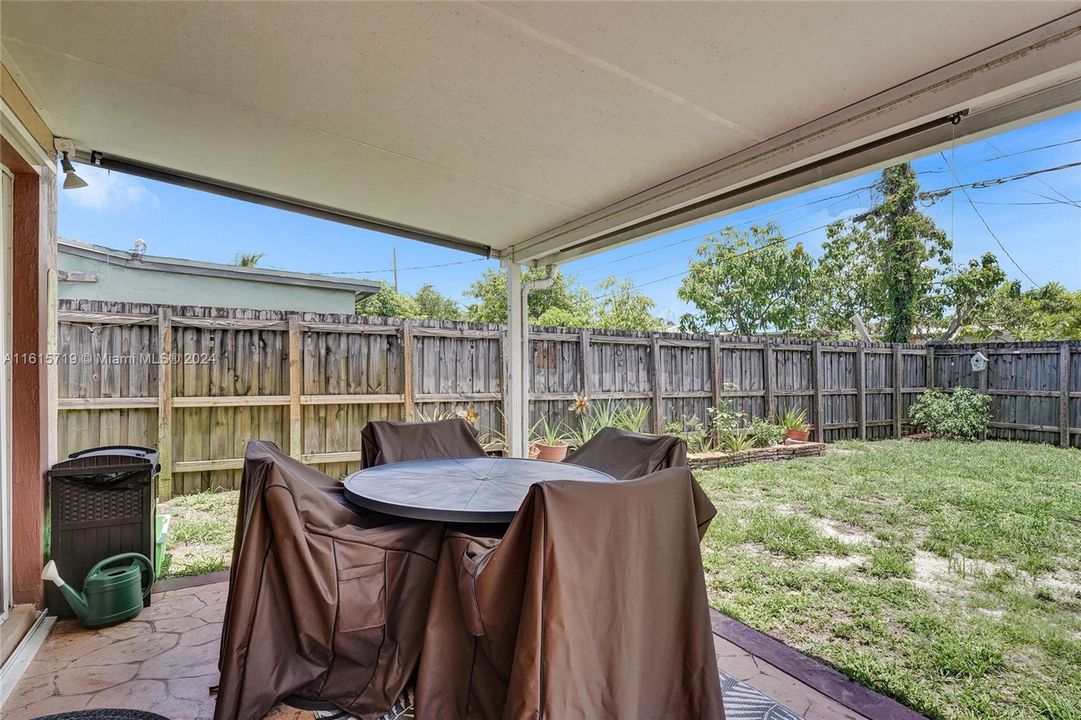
[
  {"x": 553, "y": 453},
  {"x": 798, "y": 435}
]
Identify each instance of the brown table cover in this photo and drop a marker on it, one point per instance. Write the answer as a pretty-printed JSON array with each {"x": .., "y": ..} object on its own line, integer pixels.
[
  {"x": 324, "y": 601},
  {"x": 629, "y": 455},
  {"x": 593, "y": 605},
  {"x": 390, "y": 441}
]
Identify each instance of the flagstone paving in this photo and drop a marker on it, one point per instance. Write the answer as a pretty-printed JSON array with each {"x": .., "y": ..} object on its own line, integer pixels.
[{"x": 165, "y": 661}]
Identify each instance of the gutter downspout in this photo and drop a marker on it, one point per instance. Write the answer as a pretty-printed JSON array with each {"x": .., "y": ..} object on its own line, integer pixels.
[{"x": 517, "y": 398}]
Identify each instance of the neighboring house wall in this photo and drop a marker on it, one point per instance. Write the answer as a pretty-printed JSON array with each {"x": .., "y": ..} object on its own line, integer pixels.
[{"x": 119, "y": 277}]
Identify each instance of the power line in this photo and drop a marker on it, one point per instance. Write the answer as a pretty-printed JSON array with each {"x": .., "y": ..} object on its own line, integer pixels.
[
  {"x": 1038, "y": 179},
  {"x": 990, "y": 182},
  {"x": 1002, "y": 156},
  {"x": 402, "y": 269},
  {"x": 976, "y": 210},
  {"x": 927, "y": 196},
  {"x": 699, "y": 238},
  {"x": 1049, "y": 201},
  {"x": 749, "y": 251}
]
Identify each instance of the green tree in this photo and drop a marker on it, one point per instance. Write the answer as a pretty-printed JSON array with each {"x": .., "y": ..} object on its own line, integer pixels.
[
  {"x": 748, "y": 282},
  {"x": 970, "y": 291},
  {"x": 388, "y": 302},
  {"x": 434, "y": 305},
  {"x": 1049, "y": 312},
  {"x": 884, "y": 264},
  {"x": 620, "y": 307},
  {"x": 490, "y": 291}
]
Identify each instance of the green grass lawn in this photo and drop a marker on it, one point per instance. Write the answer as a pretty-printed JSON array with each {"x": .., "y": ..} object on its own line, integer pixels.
[{"x": 946, "y": 575}]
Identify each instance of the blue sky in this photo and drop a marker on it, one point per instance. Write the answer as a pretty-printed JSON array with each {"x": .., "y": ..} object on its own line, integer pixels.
[{"x": 1031, "y": 217}]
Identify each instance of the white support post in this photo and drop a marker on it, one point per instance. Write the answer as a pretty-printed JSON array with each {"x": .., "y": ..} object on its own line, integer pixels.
[{"x": 517, "y": 388}]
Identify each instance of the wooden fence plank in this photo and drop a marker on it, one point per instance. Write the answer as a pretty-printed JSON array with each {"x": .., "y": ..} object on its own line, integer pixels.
[
  {"x": 861, "y": 393},
  {"x": 1064, "y": 395},
  {"x": 768, "y": 380},
  {"x": 898, "y": 381},
  {"x": 816, "y": 379},
  {"x": 165, "y": 406},
  {"x": 409, "y": 400},
  {"x": 296, "y": 428},
  {"x": 655, "y": 378}
]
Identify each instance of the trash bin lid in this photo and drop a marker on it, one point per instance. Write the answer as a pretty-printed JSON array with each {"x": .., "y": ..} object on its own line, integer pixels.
[
  {"x": 132, "y": 453},
  {"x": 123, "y": 450}
]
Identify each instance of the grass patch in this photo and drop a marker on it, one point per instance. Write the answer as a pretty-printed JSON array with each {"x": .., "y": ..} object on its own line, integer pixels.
[
  {"x": 789, "y": 535},
  {"x": 889, "y": 562},
  {"x": 961, "y": 597},
  {"x": 201, "y": 533}
]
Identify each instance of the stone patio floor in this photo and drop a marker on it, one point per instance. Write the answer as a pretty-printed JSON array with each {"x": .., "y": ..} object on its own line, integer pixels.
[{"x": 166, "y": 660}]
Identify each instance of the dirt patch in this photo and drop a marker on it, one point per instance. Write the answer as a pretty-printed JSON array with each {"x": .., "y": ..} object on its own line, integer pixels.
[
  {"x": 1063, "y": 584},
  {"x": 846, "y": 534},
  {"x": 836, "y": 562}
]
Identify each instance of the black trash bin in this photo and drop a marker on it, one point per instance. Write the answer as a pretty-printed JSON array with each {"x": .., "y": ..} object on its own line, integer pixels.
[{"x": 101, "y": 503}]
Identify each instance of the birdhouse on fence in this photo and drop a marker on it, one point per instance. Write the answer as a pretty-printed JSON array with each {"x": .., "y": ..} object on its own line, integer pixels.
[{"x": 979, "y": 362}]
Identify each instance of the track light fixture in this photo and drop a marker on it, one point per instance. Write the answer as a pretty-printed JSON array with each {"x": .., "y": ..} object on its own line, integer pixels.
[{"x": 72, "y": 181}]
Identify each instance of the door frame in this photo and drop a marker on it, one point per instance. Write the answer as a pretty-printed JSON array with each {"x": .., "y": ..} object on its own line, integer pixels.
[{"x": 6, "y": 217}]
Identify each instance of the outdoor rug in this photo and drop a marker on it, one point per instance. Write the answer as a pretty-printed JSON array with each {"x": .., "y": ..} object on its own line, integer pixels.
[{"x": 741, "y": 702}]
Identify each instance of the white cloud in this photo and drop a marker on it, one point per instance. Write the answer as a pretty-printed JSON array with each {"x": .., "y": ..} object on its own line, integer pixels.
[{"x": 108, "y": 191}]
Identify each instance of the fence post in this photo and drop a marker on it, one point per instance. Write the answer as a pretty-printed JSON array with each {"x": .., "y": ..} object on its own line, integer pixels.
[
  {"x": 898, "y": 379},
  {"x": 767, "y": 377},
  {"x": 583, "y": 352},
  {"x": 408, "y": 394},
  {"x": 165, "y": 402},
  {"x": 861, "y": 390},
  {"x": 504, "y": 387},
  {"x": 718, "y": 373},
  {"x": 929, "y": 366},
  {"x": 655, "y": 381},
  {"x": 295, "y": 380},
  {"x": 816, "y": 379},
  {"x": 983, "y": 385},
  {"x": 1064, "y": 395}
]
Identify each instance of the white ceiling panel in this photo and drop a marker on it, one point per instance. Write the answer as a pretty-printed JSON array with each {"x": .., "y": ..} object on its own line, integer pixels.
[{"x": 493, "y": 123}]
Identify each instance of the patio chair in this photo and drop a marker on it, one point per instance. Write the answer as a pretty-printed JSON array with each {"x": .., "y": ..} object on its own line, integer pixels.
[
  {"x": 629, "y": 455},
  {"x": 592, "y": 605},
  {"x": 389, "y": 441},
  {"x": 325, "y": 603}
]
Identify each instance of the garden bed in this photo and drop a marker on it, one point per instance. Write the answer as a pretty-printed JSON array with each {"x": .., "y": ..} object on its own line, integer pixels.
[{"x": 724, "y": 458}]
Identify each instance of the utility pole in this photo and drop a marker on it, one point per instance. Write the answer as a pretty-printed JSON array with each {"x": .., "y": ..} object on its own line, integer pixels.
[{"x": 394, "y": 258}]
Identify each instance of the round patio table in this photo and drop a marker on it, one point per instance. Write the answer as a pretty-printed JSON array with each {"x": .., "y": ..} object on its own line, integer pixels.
[{"x": 459, "y": 490}]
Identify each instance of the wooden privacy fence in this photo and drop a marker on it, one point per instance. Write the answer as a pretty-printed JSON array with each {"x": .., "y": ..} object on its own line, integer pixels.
[{"x": 198, "y": 382}]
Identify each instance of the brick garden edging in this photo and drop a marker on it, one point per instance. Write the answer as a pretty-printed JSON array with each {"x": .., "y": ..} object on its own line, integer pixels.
[{"x": 791, "y": 449}]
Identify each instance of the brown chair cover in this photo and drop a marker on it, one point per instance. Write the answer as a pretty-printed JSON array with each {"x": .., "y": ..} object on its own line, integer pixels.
[
  {"x": 389, "y": 441},
  {"x": 629, "y": 455},
  {"x": 593, "y": 605},
  {"x": 324, "y": 603}
]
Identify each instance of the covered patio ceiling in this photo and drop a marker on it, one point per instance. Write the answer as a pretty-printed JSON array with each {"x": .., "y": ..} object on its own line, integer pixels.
[{"x": 533, "y": 131}]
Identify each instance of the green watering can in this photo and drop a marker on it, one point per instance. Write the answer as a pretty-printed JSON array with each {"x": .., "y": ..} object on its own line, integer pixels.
[{"x": 112, "y": 593}]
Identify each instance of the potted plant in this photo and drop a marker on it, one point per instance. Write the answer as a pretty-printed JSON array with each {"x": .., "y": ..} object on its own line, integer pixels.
[
  {"x": 794, "y": 422},
  {"x": 550, "y": 440}
]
